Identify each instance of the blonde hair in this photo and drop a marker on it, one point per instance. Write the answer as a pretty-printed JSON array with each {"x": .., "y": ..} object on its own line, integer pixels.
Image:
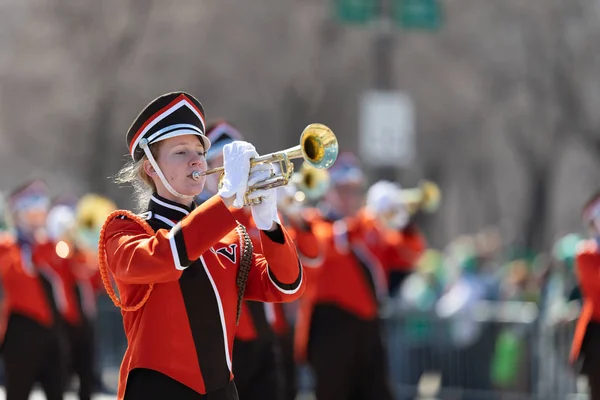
[{"x": 133, "y": 174}]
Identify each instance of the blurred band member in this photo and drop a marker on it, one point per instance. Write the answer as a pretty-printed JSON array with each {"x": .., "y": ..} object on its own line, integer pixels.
[
  {"x": 299, "y": 220},
  {"x": 344, "y": 345},
  {"x": 586, "y": 342},
  {"x": 76, "y": 230},
  {"x": 396, "y": 226},
  {"x": 257, "y": 361},
  {"x": 33, "y": 298}
]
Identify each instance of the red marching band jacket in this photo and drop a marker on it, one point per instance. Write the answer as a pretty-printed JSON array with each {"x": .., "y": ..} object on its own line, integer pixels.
[
  {"x": 587, "y": 262},
  {"x": 353, "y": 274},
  {"x": 308, "y": 251},
  {"x": 176, "y": 272},
  {"x": 31, "y": 280},
  {"x": 81, "y": 283},
  {"x": 248, "y": 329}
]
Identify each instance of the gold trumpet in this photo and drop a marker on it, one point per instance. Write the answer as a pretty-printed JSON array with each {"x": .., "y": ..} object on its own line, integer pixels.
[
  {"x": 426, "y": 197},
  {"x": 318, "y": 147},
  {"x": 312, "y": 183},
  {"x": 88, "y": 217}
]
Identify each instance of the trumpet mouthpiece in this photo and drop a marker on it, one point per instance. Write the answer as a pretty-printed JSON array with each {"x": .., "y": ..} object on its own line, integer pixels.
[{"x": 196, "y": 175}]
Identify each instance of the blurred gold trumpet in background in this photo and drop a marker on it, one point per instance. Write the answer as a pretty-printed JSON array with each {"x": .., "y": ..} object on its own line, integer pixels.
[{"x": 425, "y": 197}]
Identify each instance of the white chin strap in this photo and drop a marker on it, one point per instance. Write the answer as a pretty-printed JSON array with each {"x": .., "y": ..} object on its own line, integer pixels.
[{"x": 144, "y": 146}]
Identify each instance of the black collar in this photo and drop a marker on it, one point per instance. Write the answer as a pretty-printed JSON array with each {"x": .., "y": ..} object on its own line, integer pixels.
[{"x": 169, "y": 209}]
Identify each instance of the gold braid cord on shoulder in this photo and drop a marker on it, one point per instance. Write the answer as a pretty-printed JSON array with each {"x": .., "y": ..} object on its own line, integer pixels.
[
  {"x": 104, "y": 264},
  {"x": 246, "y": 253}
]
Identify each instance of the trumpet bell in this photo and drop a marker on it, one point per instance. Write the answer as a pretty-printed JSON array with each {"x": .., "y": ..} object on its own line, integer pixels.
[
  {"x": 426, "y": 197},
  {"x": 312, "y": 182},
  {"x": 432, "y": 196},
  {"x": 91, "y": 212},
  {"x": 319, "y": 146}
]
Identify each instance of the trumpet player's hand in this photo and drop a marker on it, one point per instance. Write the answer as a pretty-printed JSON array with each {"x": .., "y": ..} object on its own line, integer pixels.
[
  {"x": 236, "y": 166},
  {"x": 265, "y": 214},
  {"x": 259, "y": 173}
]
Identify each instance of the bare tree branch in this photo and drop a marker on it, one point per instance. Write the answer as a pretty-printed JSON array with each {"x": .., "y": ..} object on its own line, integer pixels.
[{"x": 115, "y": 56}]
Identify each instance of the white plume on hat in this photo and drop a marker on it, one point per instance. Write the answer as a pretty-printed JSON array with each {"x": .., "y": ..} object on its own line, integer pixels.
[{"x": 383, "y": 198}]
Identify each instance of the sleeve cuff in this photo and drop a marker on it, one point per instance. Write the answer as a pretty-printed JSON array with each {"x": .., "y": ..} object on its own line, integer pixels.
[
  {"x": 276, "y": 235},
  {"x": 178, "y": 249},
  {"x": 287, "y": 288}
]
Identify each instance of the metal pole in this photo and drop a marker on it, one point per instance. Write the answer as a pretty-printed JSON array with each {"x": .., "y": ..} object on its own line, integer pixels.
[{"x": 383, "y": 59}]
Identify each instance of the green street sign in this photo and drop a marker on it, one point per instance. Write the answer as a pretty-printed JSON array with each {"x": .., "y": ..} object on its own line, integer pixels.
[
  {"x": 355, "y": 11},
  {"x": 418, "y": 14}
]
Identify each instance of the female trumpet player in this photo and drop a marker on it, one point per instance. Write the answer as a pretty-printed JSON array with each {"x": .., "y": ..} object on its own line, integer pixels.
[{"x": 181, "y": 270}]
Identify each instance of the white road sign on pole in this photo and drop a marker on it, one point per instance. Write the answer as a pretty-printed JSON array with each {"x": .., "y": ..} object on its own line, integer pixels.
[{"x": 386, "y": 129}]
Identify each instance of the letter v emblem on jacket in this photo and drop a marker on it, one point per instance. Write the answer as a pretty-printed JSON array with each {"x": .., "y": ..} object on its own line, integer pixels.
[{"x": 228, "y": 252}]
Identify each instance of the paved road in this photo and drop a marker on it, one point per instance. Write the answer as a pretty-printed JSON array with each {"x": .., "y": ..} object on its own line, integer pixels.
[{"x": 38, "y": 395}]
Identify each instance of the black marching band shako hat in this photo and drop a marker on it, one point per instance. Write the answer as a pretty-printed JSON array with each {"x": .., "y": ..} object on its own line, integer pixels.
[
  {"x": 170, "y": 115},
  {"x": 346, "y": 170},
  {"x": 221, "y": 133},
  {"x": 34, "y": 193},
  {"x": 591, "y": 210}
]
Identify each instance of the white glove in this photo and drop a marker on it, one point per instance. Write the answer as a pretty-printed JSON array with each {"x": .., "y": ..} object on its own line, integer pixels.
[
  {"x": 259, "y": 173},
  {"x": 265, "y": 213},
  {"x": 285, "y": 194},
  {"x": 236, "y": 164}
]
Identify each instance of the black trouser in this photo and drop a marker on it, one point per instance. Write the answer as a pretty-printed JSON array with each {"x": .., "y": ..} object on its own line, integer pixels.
[
  {"x": 396, "y": 279},
  {"x": 590, "y": 350},
  {"x": 147, "y": 384},
  {"x": 32, "y": 353},
  {"x": 81, "y": 345},
  {"x": 288, "y": 365},
  {"x": 255, "y": 368},
  {"x": 347, "y": 356}
]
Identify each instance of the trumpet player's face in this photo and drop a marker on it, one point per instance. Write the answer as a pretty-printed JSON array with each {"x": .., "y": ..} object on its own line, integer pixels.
[
  {"x": 346, "y": 198},
  {"x": 178, "y": 158},
  {"x": 32, "y": 218},
  {"x": 594, "y": 228}
]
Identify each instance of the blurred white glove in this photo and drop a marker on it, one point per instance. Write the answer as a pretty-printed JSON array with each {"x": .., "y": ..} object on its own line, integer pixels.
[
  {"x": 265, "y": 213},
  {"x": 236, "y": 164},
  {"x": 287, "y": 202},
  {"x": 60, "y": 220}
]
